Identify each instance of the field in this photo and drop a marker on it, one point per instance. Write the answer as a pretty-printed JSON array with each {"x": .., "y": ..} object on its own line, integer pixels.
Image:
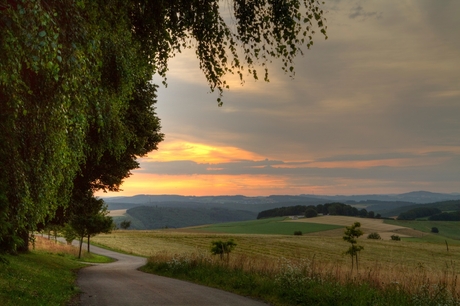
[
  {"x": 272, "y": 226},
  {"x": 449, "y": 231},
  {"x": 417, "y": 268},
  {"x": 326, "y": 246}
]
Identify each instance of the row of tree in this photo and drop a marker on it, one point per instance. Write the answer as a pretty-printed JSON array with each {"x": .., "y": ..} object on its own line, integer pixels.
[
  {"x": 419, "y": 212},
  {"x": 340, "y": 209},
  {"x": 77, "y": 103},
  {"x": 446, "y": 216}
]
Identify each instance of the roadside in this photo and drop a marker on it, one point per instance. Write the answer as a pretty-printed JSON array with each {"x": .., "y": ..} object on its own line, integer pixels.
[{"x": 120, "y": 283}]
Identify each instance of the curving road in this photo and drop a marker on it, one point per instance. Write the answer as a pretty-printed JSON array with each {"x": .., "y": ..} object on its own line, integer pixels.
[{"x": 120, "y": 283}]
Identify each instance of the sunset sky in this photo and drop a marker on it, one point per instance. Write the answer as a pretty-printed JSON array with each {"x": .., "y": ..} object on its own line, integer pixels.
[{"x": 373, "y": 109}]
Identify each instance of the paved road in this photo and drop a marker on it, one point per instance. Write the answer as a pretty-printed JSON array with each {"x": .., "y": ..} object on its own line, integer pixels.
[{"x": 120, "y": 283}]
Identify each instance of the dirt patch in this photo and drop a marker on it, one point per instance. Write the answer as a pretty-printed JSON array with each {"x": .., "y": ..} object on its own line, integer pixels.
[
  {"x": 367, "y": 225},
  {"x": 117, "y": 212}
]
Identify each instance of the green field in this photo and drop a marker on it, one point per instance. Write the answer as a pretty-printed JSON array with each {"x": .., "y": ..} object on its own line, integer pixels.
[
  {"x": 448, "y": 230},
  {"x": 271, "y": 226}
]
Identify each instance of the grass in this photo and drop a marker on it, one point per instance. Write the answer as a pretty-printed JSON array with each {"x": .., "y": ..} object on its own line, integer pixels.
[
  {"x": 44, "y": 276},
  {"x": 305, "y": 282}
]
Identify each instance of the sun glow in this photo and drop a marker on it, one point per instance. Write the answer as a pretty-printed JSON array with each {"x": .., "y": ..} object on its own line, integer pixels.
[{"x": 200, "y": 153}]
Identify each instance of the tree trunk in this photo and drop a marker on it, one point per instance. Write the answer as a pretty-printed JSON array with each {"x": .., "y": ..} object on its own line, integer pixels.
[
  {"x": 24, "y": 236},
  {"x": 88, "y": 242},
  {"x": 81, "y": 243},
  {"x": 357, "y": 269}
]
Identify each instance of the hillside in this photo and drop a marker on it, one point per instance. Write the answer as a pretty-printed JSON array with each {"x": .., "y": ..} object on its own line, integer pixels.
[
  {"x": 168, "y": 210},
  {"x": 148, "y": 217},
  {"x": 453, "y": 205}
]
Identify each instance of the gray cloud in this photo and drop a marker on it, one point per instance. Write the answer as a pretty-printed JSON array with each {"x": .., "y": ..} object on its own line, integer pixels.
[
  {"x": 358, "y": 11},
  {"x": 383, "y": 86}
]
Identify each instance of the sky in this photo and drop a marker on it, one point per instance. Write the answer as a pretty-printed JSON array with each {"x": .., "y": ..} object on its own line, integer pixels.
[{"x": 374, "y": 109}]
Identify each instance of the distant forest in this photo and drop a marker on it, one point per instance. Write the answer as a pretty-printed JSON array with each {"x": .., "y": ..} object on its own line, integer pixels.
[
  {"x": 441, "y": 211},
  {"x": 339, "y": 209}
]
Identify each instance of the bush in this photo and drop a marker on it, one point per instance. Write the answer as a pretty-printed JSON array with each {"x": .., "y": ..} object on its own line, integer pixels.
[
  {"x": 374, "y": 236},
  {"x": 434, "y": 230},
  {"x": 298, "y": 233},
  {"x": 395, "y": 237}
]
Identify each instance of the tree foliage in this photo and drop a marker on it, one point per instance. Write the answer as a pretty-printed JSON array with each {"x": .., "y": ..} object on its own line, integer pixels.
[
  {"x": 340, "y": 209},
  {"x": 419, "y": 212},
  {"x": 222, "y": 248},
  {"x": 77, "y": 105}
]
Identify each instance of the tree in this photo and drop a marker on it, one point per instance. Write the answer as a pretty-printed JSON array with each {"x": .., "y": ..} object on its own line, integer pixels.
[
  {"x": 125, "y": 224},
  {"x": 434, "y": 230},
  {"x": 310, "y": 213},
  {"x": 222, "y": 248},
  {"x": 352, "y": 233},
  {"x": 89, "y": 218},
  {"x": 71, "y": 71}
]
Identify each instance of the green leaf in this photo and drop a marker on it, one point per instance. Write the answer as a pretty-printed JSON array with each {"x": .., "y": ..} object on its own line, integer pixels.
[{"x": 42, "y": 34}]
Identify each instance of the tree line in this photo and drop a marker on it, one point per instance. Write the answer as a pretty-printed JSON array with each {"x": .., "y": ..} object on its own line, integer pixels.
[
  {"x": 337, "y": 208},
  {"x": 77, "y": 102}
]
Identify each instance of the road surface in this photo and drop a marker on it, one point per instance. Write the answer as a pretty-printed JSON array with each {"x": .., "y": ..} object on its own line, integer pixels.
[{"x": 120, "y": 283}]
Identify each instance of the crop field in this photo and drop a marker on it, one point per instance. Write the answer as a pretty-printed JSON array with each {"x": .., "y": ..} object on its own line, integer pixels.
[
  {"x": 388, "y": 255},
  {"x": 385, "y": 230},
  {"x": 271, "y": 226},
  {"x": 447, "y": 229}
]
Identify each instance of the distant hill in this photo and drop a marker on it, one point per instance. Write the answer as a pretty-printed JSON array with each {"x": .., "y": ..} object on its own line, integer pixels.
[
  {"x": 386, "y": 205},
  {"x": 418, "y": 197},
  {"x": 148, "y": 217},
  {"x": 443, "y": 206}
]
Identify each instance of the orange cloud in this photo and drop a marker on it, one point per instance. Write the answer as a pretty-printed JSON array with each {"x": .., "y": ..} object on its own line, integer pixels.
[
  {"x": 200, "y": 153},
  {"x": 200, "y": 185}
]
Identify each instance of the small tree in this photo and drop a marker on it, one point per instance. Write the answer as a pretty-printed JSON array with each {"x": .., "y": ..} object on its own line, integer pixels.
[
  {"x": 125, "y": 224},
  {"x": 434, "y": 230},
  {"x": 351, "y": 234},
  {"x": 69, "y": 233},
  {"x": 221, "y": 248},
  {"x": 395, "y": 237}
]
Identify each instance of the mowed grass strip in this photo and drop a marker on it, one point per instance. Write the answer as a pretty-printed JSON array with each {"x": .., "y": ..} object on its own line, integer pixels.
[{"x": 271, "y": 226}]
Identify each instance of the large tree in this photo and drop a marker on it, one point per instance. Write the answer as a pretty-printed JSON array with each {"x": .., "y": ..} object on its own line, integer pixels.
[{"x": 74, "y": 81}]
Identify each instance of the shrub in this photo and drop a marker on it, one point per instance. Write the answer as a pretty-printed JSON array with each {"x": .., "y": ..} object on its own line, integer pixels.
[
  {"x": 434, "y": 230},
  {"x": 298, "y": 233},
  {"x": 374, "y": 236},
  {"x": 395, "y": 237},
  {"x": 221, "y": 248}
]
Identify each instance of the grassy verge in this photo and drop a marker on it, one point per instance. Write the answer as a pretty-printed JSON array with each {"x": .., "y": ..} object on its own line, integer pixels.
[
  {"x": 44, "y": 276},
  {"x": 302, "y": 282},
  {"x": 38, "y": 278}
]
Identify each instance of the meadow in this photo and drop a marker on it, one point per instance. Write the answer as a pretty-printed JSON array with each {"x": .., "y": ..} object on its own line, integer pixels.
[{"x": 419, "y": 270}]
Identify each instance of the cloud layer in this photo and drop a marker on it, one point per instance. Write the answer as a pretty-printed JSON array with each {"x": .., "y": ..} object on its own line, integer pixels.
[{"x": 374, "y": 109}]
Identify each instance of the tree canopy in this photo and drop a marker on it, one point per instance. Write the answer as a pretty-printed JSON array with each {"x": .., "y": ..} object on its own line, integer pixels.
[{"x": 77, "y": 103}]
